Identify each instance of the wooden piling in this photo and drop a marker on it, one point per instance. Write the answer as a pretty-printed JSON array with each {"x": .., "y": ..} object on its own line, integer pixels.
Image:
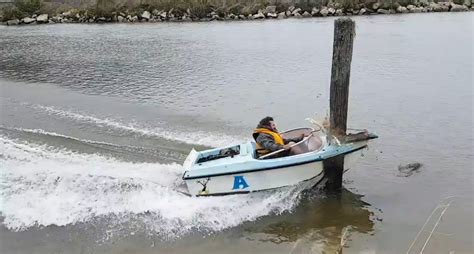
[{"x": 344, "y": 33}]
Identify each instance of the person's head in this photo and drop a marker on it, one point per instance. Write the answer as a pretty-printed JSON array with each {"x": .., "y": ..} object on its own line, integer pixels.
[{"x": 268, "y": 123}]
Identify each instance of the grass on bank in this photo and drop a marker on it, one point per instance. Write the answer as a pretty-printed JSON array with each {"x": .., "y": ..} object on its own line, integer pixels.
[{"x": 197, "y": 8}]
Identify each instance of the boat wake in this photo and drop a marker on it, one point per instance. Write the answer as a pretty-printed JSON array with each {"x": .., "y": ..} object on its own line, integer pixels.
[
  {"x": 189, "y": 137},
  {"x": 43, "y": 186}
]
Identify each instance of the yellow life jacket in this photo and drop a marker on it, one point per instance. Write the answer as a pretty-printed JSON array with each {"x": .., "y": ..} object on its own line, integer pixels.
[{"x": 276, "y": 137}]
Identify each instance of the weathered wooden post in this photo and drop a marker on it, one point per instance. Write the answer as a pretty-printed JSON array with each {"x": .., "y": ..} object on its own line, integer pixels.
[{"x": 344, "y": 33}]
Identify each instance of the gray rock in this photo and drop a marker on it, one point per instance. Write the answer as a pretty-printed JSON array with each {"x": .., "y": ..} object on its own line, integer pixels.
[
  {"x": 324, "y": 11},
  {"x": 155, "y": 12},
  {"x": 402, "y": 9},
  {"x": 288, "y": 13},
  {"x": 297, "y": 15},
  {"x": 241, "y": 16},
  {"x": 436, "y": 7},
  {"x": 28, "y": 20},
  {"x": 56, "y": 19},
  {"x": 146, "y": 15},
  {"x": 102, "y": 19},
  {"x": 120, "y": 19},
  {"x": 416, "y": 10},
  {"x": 281, "y": 15},
  {"x": 362, "y": 11},
  {"x": 383, "y": 11},
  {"x": 306, "y": 14},
  {"x": 339, "y": 12},
  {"x": 270, "y": 9},
  {"x": 13, "y": 22},
  {"x": 272, "y": 15},
  {"x": 409, "y": 169},
  {"x": 375, "y": 6},
  {"x": 314, "y": 11},
  {"x": 67, "y": 14},
  {"x": 331, "y": 11},
  {"x": 43, "y": 18},
  {"x": 355, "y": 12},
  {"x": 259, "y": 15},
  {"x": 298, "y": 10},
  {"x": 458, "y": 7},
  {"x": 410, "y": 7},
  {"x": 134, "y": 18},
  {"x": 291, "y": 8},
  {"x": 163, "y": 15}
]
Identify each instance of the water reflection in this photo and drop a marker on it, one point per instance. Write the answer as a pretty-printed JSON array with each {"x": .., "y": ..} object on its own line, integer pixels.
[{"x": 318, "y": 224}]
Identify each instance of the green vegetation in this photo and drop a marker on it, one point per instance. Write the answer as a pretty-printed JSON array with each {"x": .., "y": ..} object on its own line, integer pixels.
[{"x": 110, "y": 10}]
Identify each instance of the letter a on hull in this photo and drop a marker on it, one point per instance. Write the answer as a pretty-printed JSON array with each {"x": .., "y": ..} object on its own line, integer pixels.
[{"x": 239, "y": 183}]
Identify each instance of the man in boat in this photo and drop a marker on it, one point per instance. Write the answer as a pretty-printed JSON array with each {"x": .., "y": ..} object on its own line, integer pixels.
[{"x": 269, "y": 139}]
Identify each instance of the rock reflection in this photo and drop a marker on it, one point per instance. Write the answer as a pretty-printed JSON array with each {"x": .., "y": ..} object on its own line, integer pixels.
[{"x": 320, "y": 224}]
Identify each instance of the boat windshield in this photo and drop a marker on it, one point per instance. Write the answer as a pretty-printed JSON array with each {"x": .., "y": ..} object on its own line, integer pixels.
[{"x": 219, "y": 154}]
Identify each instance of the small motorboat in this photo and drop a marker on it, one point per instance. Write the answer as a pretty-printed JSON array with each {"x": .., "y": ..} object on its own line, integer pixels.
[{"x": 237, "y": 169}]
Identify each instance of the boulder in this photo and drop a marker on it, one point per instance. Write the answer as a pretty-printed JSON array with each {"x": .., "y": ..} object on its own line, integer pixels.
[
  {"x": 362, "y": 11},
  {"x": 133, "y": 19},
  {"x": 331, "y": 11},
  {"x": 375, "y": 6},
  {"x": 28, "y": 20},
  {"x": 101, "y": 19},
  {"x": 416, "y": 10},
  {"x": 298, "y": 15},
  {"x": 281, "y": 15},
  {"x": 435, "y": 7},
  {"x": 339, "y": 12},
  {"x": 163, "y": 14},
  {"x": 383, "y": 11},
  {"x": 43, "y": 18},
  {"x": 410, "y": 7},
  {"x": 259, "y": 15},
  {"x": 291, "y": 8},
  {"x": 120, "y": 19},
  {"x": 272, "y": 15},
  {"x": 270, "y": 9},
  {"x": 67, "y": 14},
  {"x": 155, "y": 12},
  {"x": 314, "y": 11},
  {"x": 146, "y": 15},
  {"x": 306, "y": 14},
  {"x": 355, "y": 12},
  {"x": 324, "y": 12},
  {"x": 402, "y": 9},
  {"x": 458, "y": 7},
  {"x": 288, "y": 13},
  {"x": 13, "y": 22},
  {"x": 294, "y": 12},
  {"x": 241, "y": 16}
]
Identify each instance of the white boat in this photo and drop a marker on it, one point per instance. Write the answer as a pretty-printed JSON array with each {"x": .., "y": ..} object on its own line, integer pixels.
[{"x": 237, "y": 169}]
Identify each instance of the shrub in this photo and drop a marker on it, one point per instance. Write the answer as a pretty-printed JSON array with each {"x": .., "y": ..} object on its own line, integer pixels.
[
  {"x": 11, "y": 12},
  {"x": 28, "y": 7}
]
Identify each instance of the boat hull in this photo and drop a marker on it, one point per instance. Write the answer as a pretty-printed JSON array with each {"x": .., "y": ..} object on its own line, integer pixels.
[{"x": 255, "y": 181}]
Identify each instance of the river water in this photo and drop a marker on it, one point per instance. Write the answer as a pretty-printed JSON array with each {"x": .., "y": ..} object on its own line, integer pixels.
[{"x": 97, "y": 119}]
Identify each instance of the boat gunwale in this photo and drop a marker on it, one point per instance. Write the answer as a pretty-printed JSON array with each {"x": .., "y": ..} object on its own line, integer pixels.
[{"x": 269, "y": 168}]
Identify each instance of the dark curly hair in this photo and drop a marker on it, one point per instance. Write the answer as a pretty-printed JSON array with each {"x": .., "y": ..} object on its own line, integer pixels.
[{"x": 265, "y": 121}]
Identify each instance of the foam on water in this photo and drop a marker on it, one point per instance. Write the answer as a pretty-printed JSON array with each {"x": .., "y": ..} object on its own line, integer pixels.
[
  {"x": 43, "y": 185},
  {"x": 194, "y": 137}
]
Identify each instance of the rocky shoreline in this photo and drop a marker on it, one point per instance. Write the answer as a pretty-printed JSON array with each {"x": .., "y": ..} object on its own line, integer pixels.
[{"x": 269, "y": 12}]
